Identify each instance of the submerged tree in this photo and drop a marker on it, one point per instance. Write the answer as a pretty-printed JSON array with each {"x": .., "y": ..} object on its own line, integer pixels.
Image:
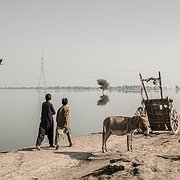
[{"x": 104, "y": 85}]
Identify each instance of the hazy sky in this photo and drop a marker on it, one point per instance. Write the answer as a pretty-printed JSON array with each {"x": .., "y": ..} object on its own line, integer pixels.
[{"x": 85, "y": 40}]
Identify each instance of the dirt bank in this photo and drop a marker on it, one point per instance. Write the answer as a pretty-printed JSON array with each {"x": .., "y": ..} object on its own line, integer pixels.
[{"x": 156, "y": 157}]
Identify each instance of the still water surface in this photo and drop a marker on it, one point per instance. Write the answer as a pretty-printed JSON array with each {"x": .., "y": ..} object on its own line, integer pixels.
[{"x": 20, "y": 112}]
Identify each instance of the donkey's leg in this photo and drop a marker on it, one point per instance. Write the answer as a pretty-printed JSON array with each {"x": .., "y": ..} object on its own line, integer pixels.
[
  {"x": 103, "y": 136},
  {"x": 107, "y": 135},
  {"x": 131, "y": 141},
  {"x": 128, "y": 141}
]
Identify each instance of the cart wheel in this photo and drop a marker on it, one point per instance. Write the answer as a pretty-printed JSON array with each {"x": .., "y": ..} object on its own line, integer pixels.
[{"x": 174, "y": 121}]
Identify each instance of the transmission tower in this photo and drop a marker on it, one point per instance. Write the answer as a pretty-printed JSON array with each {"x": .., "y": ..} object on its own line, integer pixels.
[{"x": 42, "y": 80}]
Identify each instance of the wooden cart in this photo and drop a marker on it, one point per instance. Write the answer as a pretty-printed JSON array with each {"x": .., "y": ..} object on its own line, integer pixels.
[{"x": 161, "y": 113}]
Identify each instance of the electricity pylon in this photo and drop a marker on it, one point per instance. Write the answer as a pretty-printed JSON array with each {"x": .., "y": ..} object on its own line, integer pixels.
[{"x": 42, "y": 80}]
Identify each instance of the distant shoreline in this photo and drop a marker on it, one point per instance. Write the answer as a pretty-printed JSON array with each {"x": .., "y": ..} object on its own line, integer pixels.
[{"x": 128, "y": 88}]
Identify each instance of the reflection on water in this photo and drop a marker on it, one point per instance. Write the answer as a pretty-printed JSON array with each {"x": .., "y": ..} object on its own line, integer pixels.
[
  {"x": 41, "y": 95},
  {"x": 104, "y": 99}
]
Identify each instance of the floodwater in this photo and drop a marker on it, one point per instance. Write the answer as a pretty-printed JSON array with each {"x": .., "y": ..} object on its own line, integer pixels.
[{"x": 20, "y": 112}]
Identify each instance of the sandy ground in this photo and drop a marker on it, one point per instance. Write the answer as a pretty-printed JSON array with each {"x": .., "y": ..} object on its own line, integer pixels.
[{"x": 156, "y": 157}]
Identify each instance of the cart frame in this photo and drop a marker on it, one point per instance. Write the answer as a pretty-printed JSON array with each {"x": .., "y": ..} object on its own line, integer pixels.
[{"x": 161, "y": 114}]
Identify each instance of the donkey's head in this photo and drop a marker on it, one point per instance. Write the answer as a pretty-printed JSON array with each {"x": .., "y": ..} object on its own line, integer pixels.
[{"x": 141, "y": 122}]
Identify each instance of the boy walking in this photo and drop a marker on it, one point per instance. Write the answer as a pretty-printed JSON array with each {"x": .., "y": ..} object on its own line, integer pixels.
[
  {"x": 63, "y": 123},
  {"x": 46, "y": 126}
]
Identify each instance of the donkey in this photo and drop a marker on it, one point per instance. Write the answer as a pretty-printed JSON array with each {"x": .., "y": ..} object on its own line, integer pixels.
[{"x": 120, "y": 125}]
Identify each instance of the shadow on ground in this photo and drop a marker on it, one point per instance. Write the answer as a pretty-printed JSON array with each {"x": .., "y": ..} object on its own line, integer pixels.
[
  {"x": 77, "y": 155},
  {"x": 35, "y": 149}
]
